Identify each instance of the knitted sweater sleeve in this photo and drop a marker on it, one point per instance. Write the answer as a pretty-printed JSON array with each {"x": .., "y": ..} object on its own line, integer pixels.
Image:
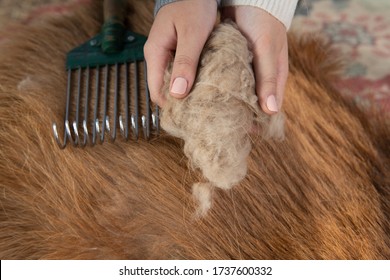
[
  {"x": 160, "y": 3},
  {"x": 283, "y": 10}
]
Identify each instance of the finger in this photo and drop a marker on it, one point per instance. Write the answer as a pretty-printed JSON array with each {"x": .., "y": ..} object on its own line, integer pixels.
[
  {"x": 185, "y": 64},
  {"x": 282, "y": 75},
  {"x": 157, "y": 60},
  {"x": 265, "y": 68}
]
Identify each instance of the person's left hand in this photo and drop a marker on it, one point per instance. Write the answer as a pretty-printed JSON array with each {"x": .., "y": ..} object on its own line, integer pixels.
[{"x": 267, "y": 38}]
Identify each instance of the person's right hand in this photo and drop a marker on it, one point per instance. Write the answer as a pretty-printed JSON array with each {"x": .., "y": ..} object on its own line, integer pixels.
[{"x": 180, "y": 28}]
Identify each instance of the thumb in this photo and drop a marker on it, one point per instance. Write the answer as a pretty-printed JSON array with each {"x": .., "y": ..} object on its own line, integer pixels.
[{"x": 185, "y": 65}]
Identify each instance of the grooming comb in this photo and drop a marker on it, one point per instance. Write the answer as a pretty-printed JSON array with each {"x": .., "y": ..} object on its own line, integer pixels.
[{"x": 91, "y": 103}]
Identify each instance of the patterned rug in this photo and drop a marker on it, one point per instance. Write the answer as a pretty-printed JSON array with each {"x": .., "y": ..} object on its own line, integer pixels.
[{"x": 358, "y": 29}]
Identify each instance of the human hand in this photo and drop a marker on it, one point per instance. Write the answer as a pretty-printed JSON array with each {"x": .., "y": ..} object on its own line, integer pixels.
[
  {"x": 180, "y": 28},
  {"x": 267, "y": 40}
]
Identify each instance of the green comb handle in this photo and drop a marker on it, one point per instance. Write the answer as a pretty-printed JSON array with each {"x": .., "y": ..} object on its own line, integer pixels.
[{"x": 113, "y": 29}]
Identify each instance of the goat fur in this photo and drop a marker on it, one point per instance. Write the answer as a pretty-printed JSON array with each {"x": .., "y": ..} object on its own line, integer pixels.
[{"x": 322, "y": 193}]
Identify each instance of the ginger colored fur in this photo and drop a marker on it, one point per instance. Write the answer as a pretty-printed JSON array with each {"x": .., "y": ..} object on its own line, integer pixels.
[{"x": 322, "y": 193}]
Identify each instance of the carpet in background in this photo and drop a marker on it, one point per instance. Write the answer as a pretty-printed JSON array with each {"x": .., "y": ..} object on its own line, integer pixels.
[{"x": 360, "y": 31}]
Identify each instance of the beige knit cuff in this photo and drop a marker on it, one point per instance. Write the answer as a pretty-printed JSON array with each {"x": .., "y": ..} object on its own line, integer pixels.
[{"x": 283, "y": 10}]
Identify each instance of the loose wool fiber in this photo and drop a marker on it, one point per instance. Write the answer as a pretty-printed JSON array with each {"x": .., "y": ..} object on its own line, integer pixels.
[{"x": 216, "y": 118}]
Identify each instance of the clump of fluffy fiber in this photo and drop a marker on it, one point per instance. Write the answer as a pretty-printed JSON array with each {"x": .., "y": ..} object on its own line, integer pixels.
[{"x": 222, "y": 108}]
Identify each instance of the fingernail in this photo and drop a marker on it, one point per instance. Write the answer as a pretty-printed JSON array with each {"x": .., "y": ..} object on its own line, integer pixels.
[
  {"x": 271, "y": 103},
  {"x": 179, "y": 86}
]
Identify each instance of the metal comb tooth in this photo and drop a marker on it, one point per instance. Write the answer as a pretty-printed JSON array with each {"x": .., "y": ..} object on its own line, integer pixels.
[
  {"x": 134, "y": 120},
  {"x": 86, "y": 105},
  {"x": 152, "y": 121},
  {"x": 95, "y": 123},
  {"x": 124, "y": 127},
  {"x": 156, "y": 120},
  {"x": 112, "y": 129},
  {"x": 105, "y": 103},
  {"x": 69, "y": 133},
  {"x": 146, "y": 119},
  {"x": 86, "y": 135},
  {"x": 116, "y": 97},
  {"x": 78, "y": 97},
  {"x": 62, "y": 144}
]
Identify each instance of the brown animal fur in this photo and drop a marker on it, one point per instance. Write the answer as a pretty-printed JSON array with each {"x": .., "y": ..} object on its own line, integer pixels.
[{"x": 323, "y": 193}]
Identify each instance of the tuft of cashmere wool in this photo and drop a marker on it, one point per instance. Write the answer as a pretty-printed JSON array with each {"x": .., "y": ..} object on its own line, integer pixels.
[
  {"x": 216, "y": 118},
  {"x": 202, "y": 193}
]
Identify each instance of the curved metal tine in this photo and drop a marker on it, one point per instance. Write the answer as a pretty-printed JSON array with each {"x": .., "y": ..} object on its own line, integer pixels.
[
  {"x": 55, "y": 131},
  {"x": 76, "y": 133},
  {"x": 60, "y": 144},
  {"x": 112, "y": 131},
  {"x": 78, "y": 98},
  {"x": 97, "y": 127},
  {"x": 108, "y": 128},
  {"x": 69, "y": 133},
  {"x": 133, "y": 126},
  {"x": 95, "y": 124},
  {"x": 105, "y": 103},
  {"x": 146, "y": 120},
  {"x": 124, "y": 127},
  {"x": 86, "y": 105},
  {"x": 86, "y": 135},
  {"x": 135, "y": 118},
  {"x": 144, "y": 127},
  {"x": 156, "y": 120}
]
